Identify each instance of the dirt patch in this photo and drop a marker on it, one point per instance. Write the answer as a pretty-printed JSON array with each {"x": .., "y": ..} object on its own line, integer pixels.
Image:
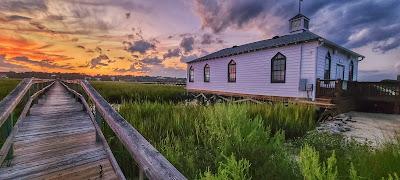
[{"x": 375, "y": 128}]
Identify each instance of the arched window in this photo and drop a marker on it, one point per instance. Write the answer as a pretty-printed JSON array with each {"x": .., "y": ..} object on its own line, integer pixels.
[
  {"x": 191, "y": 74},
  {"x": 207, "y": 73},
  {"x": 327, "y": 67},
  {"x": 232, "y": 71},
  {"x": 278, "y": 68},
  {"x": 351, "y": 71}
]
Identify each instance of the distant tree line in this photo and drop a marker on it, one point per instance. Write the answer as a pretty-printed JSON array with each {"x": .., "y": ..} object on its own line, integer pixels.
[{"x": 131, "y": 78}]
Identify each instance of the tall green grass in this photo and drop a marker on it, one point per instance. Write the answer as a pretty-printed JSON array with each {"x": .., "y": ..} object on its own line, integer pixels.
[
  {"x": 196, "y": 139},
  {"x": 116, "y": 92},
  {"x": 242, "y": 141},
  {"x": 6, "y": 86},
  {"x": 352, "y": 160}
]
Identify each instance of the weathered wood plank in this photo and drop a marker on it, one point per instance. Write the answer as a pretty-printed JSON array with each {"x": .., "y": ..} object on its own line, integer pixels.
[{"x": 100, "y": 135}]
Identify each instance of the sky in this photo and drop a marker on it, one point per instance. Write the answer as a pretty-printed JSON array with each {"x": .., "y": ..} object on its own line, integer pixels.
[{"x": 156, "y": 37}]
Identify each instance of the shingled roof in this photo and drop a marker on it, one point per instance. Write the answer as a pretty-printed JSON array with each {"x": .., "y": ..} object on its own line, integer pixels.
[{"x": 302, "y": 37}]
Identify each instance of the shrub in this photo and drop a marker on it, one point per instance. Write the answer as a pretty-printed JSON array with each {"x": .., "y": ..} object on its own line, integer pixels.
[
  {"x": 229, "y": 169},
  {"x": 312, "y": 169}
]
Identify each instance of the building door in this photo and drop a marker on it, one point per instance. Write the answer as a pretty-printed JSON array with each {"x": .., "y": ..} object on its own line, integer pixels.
[{"x": 340, "y": 72}]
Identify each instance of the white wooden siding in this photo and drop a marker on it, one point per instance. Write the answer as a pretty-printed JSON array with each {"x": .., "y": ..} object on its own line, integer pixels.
[
  {"x": 337, "y": 58},
  {"x": 254, "y": 72}
]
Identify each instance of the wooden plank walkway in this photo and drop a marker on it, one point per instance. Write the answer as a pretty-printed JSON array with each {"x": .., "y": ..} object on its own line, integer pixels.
[{"x": 57, "y": 140}]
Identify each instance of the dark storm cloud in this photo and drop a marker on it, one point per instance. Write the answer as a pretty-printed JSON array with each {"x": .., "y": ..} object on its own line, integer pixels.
[
  {"x": 337, "y": 20},
  {"x": 42, "y": 63},
  {"x": 187, "y": 43},
  {"x": 219, "y": 15},
  {"x": 141, "y": 46},
  {"x": 172, "y": 53},
  {"x": 101, "y": 60}
]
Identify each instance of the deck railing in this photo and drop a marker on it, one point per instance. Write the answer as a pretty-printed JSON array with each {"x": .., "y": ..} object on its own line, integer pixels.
[
  {"x": 151, "y": 162},
  {"x": 327, "y": 88},
  {"x": 23, "y": 96},
  {"x": 341, "y": 88},
  {"x": 376, "y": 89}
]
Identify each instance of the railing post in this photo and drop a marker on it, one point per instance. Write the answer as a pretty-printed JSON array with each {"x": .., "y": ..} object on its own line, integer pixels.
[
  {"x": 9, "y": 127},
  {"x": 99, "y": 122},
  {"x": 317, "y": 88},
  {"x": 338, "y": 88},
  {"x": 141, "y": 175}
]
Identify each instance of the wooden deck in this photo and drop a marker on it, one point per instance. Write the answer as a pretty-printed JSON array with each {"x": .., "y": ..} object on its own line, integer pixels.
[{"x": 57, "y": 140}]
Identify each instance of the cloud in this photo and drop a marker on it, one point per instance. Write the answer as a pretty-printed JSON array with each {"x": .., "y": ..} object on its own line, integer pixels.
[
  {"x": 42, "y": 63},
  {"x": 208, "y": 38},
  {"x": 219, "y": 15},
  {"x": 38, "y": 25},
  {"x": 151, "y": 61},
  {"x": 4, "y": 65},
  {"x": 101, "y": 60},
  {"x": 141, "y": 46},
  {"x": 350, "y": 23},
  {"x": 23, "y": 6},
  {"x": 187, "y": 44},
  {"x": 375, "y": 75},
  {"x": 80, "y": 46},
  {"x": 18, "y": 18},
  {"x": 134, "y": 67},
  {"x": 185, "y": 59},
  {"x": 172, "y": 53}
]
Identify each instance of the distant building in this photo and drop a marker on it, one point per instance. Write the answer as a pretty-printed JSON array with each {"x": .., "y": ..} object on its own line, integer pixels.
[
  {"x": 398, "y": 77},
  {"x": 3, "y": 75}
]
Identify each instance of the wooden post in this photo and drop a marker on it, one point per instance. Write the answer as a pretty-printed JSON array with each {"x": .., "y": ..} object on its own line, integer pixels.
[
  {"x": 9, "y": 127},
  {"x": 99, "y": 121},
  {"x": 317, "y": 88},
  {"x": 141, "y": 176},
  {"x": 338, "y": 88}
]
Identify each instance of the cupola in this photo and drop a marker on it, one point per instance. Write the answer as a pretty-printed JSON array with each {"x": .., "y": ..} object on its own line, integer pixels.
[{"x": 298, "y": 23}]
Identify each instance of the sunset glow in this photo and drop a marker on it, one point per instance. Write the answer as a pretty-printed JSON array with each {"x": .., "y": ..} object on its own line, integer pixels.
[{"x": 156, "y": 37}]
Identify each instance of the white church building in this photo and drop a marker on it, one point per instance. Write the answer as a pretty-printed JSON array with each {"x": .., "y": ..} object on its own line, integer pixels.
[{"x": 286, "y": 66}]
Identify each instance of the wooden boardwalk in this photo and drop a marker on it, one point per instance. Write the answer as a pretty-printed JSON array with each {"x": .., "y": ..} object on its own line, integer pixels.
[{"x": 57, "y": 140}]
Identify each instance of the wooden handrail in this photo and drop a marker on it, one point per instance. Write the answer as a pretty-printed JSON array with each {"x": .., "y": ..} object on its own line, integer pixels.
[
  {"x": 149, "y": 160},
  {"x": 8, "y": 104}
]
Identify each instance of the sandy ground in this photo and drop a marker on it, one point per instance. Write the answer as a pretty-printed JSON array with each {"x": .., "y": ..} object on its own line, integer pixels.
[{"x": 373, "y": 127}]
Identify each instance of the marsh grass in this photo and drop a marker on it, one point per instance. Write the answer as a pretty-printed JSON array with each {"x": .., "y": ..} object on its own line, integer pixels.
[
  {"x": 354, "y": 160},
  {"x": 197, "y": 139},
  {"x": 6, "y": 86},
  {"x": 241, "y": 141},
  {"x": 117, "y": 92}
]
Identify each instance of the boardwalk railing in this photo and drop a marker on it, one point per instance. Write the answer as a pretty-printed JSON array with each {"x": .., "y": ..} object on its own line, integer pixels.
[
  {"x": 25, "y": 95},
  {"x": 150, "y": 162}
]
